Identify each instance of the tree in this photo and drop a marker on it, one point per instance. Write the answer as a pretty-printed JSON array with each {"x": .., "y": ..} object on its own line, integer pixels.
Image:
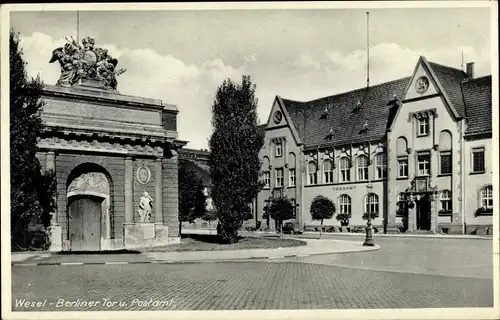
[
  {"x": 192, "y": 199},
  {"x": 31, "y": 192},
  {"x": 322, "y": 208},
  {"x": 234, "y": 158},
  {"x": 280, "y": 209}
]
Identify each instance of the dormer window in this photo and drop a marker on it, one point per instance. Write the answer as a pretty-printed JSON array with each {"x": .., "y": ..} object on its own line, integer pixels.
[
  {"x": 324, "y": 115},
  {"x": 423, "y": 126},
  {"x": 329, "y": 136}
]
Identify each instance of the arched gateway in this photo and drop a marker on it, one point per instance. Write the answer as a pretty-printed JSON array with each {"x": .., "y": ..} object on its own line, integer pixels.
[
  {"x": 88, "y": 214},
  {"x": 100, "y": 144}
]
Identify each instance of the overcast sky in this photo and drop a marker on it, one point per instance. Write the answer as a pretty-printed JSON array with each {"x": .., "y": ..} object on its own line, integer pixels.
[{"x": 182, "y": 56}]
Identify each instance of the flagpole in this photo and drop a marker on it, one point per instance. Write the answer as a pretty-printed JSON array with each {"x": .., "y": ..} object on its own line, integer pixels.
[
  {"x": 367, "y": 49},
  {"x": 78, "y": 27}
]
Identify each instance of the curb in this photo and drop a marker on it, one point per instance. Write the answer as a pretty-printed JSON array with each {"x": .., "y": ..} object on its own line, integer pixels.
[
  {"x": 15, "y": 264},
  {"x": 381, "y": 235}
]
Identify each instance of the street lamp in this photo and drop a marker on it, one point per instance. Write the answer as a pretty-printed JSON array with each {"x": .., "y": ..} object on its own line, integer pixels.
[{"x": 369, "y": 230}]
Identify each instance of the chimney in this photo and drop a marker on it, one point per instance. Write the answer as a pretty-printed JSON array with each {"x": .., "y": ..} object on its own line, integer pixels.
[{"x": 470, "y": 70}]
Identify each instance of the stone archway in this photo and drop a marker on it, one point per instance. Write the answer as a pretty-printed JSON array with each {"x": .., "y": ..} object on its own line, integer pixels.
[{"x": 88, "y": 212}]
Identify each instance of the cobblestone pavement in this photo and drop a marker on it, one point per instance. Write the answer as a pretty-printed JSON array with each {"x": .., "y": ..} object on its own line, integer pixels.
[
  {"x": 448, "y": 257},
  {"x": 239, "y": 286}
]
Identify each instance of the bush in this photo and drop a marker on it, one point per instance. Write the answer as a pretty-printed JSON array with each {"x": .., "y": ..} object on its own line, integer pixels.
[
  {"x": 373, "y": 215},
  {"x": 343, "y": 218},
  {"x": 483, "y": 212}
]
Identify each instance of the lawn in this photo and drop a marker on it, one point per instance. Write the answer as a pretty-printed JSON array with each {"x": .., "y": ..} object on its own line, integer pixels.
[{"x": 210, "y": 243}]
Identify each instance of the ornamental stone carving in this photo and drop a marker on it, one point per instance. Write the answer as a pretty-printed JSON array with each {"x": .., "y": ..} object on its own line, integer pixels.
[
  {"x": 84, "y": 62},
  {"x": 143, "y": 175},
  {"x": 95, "y": 182}
]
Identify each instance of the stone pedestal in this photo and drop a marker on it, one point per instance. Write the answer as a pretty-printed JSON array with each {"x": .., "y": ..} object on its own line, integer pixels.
[
  {"x": 55, "y": 233},
  {"x": 144, "y": 235}
]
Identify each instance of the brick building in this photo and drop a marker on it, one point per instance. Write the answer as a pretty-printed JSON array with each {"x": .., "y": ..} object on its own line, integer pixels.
[{"x": 415, "y": 151}]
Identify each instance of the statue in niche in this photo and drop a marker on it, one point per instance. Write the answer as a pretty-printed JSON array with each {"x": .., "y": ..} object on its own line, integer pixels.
[{"x": 145, "y": 206}]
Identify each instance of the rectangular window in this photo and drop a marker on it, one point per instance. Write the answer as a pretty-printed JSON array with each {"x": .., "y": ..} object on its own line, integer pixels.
[
  {"x": 278, "y": 149},
  {"x": 267, "y": 180},
  {"x": 312, "y": 173},
  {"x": 291, "y": 178},
  {"x": 362, "y": 168},
  {"x": 328, "y": 171},
  {"x": 381, "y": 164},
  {"x": 445, "y": 159},
  {"x": 403, "y": 167},
  {"x": 345, "y": 170},
  {"x": 478, "y": 160},
  {"x": 446, "y": 201},
  {"x": 424, "y": 164},
  {"x": 423, "y": 126},
  {"x": 279, "y": 178}
]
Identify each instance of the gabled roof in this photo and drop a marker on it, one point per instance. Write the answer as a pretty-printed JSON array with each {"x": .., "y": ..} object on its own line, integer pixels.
[
  {"x": 469, "y": 99},
  {"x": 345, "y": 116},
  {"x": 478, "y": 102},
  {"x": 450, "y": 80}
]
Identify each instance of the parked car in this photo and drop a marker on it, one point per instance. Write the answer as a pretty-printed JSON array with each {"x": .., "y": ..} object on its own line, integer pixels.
[{"x": 290, "y": 228}]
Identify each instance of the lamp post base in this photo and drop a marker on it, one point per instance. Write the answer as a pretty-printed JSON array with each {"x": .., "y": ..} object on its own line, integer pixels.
[{"x": 369, "y": 236}]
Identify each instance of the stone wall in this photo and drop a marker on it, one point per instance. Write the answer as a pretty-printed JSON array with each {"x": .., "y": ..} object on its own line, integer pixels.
[{"x": 170, "y": 196}]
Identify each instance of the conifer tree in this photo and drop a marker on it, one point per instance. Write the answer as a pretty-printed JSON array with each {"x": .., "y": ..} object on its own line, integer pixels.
[{"x": 234, "y": 155}]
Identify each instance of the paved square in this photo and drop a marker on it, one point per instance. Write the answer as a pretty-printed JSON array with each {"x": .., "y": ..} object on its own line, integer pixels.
[{"x": 239, "y": 286}]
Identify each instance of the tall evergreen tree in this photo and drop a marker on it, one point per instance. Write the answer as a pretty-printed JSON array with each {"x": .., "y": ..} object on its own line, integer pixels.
[
  {"x": 234, "y": 155},
  {"x": 31, "y": 190}
]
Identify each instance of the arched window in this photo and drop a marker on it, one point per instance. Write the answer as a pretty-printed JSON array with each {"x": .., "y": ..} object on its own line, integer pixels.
[
  {"x": 371, "y": 203},
  {"x": 401, "y": 146},
  {"x": 328, "y": 171},
  {"x": 381, "y": 165},
  {"x": 446, "y": 202},
  {"x": 345, "y": 170},
  {"x": 362, "y": 164},
  {"x": 312, "y": 173},
  {"x": 345, "y": 204},
  {"x": 486, "y": 197}
]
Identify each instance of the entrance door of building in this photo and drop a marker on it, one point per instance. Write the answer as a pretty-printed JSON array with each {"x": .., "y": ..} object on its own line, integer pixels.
[
  {"x": 85, "y": 223},
  {"x": 424, "y": 213}
]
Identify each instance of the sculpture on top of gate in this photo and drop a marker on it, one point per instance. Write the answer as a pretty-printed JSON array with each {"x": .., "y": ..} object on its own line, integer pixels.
[{"x": 82, "y": 62}]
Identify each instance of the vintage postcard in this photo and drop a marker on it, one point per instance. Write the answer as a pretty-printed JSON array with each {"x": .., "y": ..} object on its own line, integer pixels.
[{"x": 288, "y": 160}]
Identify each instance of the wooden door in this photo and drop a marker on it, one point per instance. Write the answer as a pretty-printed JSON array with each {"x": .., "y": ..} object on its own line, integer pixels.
[{"x": 85, "y": 223}]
